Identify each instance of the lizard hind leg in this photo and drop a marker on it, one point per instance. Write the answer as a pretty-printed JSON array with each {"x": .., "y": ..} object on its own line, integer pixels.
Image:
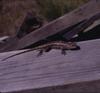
[
  {"x": 63, "y": 51},
  {"x": 40, "y": 53}
]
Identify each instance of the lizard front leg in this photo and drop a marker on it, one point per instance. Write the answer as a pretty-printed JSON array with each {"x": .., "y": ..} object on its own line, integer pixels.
[{"x": 63, "y": 51}]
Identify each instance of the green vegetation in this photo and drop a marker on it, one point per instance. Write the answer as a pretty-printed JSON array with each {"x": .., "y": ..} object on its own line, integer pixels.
[{"x": 52, "y": 9}]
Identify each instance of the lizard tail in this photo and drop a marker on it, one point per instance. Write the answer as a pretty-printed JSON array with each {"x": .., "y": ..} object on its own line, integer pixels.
[{"x": 16, "y": 54}]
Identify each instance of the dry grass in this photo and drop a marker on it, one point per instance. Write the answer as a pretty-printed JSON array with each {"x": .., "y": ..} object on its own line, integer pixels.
[
  {"x": 52, "y": 9},
  {"x": 12, "y": 14},
  {"x": 13, "y": 11}
]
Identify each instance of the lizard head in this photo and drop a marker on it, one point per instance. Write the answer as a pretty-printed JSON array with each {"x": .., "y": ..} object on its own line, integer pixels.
[{"x": 72, "y": 46}]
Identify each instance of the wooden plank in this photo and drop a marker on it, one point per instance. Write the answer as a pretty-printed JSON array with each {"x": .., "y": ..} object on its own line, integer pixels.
[
  {"x": 84, "y": 87},
  {"x": 96, "y": 23},
  {"x": 81, "y": 27},
  {"x": 84, "y": 12},
  {"x": 27, "y": 71}
]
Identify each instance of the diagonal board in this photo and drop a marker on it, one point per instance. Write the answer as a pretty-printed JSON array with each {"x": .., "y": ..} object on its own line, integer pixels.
[
  {"x": 72, "y": 18},
  {"x": 81, "y": 27},
  {"x": 27, "y": 71}
]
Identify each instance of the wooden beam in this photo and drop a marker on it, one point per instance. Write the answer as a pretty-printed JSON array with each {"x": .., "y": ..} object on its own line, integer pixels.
[
  {"x": 26, "y": 71},
  {"x": 81, "y": 27},
  {"x": 83, "y": 87},
  {"x": 72, "y": 18}
]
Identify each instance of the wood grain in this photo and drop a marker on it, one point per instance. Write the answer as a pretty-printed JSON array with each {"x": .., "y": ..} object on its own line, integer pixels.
[{"x": 26, "y": 71}]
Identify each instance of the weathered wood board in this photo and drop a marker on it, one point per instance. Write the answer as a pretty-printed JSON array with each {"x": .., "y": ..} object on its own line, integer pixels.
[
  {"x": 83, "y": 87},
  {"x": 26, "y": 71},
  {"x": 83, "y": 26},
  {"x": 72, "y": 18}
]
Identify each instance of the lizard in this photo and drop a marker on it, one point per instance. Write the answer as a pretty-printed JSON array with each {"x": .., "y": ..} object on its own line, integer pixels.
[{"x": 63, "y": 45}]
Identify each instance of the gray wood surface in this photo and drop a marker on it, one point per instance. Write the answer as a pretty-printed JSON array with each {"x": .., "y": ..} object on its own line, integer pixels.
[
  {"x": 72, "y": 18},
  {"x": 27, "y": 71}
]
